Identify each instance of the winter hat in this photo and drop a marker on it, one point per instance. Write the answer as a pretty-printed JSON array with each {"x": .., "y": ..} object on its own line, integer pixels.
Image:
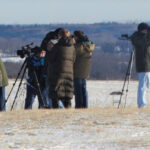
[
  {"x": 37, "y": 49},
  {"x": 142, "y": 26},
  {"x": 79, "y": 33},
  {"x": 58, "y": 30}
]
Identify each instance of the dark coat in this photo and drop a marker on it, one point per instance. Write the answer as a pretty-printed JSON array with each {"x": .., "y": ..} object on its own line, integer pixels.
[
  {"x": 49, "y": 36},
  {"x": 82, "y": 64},
  {"x": 60, "y": 70},
  {"x": 141, "y": 44}
]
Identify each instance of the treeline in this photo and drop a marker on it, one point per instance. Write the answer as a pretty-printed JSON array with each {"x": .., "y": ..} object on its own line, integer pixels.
[{"x": 110, "y": 57}]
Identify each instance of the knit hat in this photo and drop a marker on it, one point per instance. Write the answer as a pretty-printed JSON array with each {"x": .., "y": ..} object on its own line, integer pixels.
[
  {"x": 37, "y": 49},
  {"x": 58, "y": 30},
  {"x": 142, "y": 26},
  {"x": 79, "y": 33}
]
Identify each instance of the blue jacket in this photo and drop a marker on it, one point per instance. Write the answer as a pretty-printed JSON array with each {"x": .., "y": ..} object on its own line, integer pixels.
[{"x": 36, "y": 64}]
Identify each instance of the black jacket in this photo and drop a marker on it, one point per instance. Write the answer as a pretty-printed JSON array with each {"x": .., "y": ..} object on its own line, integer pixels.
[
  {"x": 141, "y": 44},
  {"x": 49, "y": 36}
]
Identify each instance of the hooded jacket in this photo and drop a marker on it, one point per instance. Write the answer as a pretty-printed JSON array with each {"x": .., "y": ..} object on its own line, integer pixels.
[
  {"x": 82, "y": 64},
  {"x": 60, "y": 69}
]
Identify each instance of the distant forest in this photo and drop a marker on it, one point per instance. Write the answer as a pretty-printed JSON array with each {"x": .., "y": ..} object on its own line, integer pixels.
[{"x": 110, "y": 58}]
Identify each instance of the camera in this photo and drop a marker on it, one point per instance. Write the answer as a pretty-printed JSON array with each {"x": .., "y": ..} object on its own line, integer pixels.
[
  {"x": 125, "y": 37},
  {"x": 27, "y": 50}
]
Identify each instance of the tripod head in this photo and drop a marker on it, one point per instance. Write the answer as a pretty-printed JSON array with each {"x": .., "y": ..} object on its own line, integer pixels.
[{"x": 125, "y": 37}]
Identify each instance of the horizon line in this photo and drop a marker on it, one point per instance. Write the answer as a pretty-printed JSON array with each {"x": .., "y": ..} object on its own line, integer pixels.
[{"x": 63, "y": 23}]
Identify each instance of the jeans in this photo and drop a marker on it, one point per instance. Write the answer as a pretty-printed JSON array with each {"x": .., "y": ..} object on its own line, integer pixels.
[
  {"x": 46, "y": 97},
  {"x": 2, "y": 99},
  {"x": 81, "y": 94},
  {"x": 144, "y": 84}
]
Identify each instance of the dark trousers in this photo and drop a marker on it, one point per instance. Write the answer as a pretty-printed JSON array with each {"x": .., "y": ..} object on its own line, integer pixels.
[
  {"x": 81, "y": 95},
  {"x": 30, "y": 97},
  {"x": 55, "y": 103},
  {"x": 66, "y": 103},
  {"x": 2, "y": 99}
]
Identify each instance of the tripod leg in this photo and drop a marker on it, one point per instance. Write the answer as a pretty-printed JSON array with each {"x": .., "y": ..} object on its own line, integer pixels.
[
  {"x": 19, "y": 86},
  {"x": 127, "y": 76},
  {"x": 15, "y": 81},
  {"x": 124, "y": 84}
]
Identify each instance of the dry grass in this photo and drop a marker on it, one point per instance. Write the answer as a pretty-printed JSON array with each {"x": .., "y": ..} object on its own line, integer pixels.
[{"x": 102, "y": 128}]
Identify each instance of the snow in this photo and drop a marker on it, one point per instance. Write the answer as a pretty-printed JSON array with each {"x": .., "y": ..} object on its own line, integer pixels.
[
  {"x": 12, "y": 59},
  {"x": 98, "y": 91},
  {"x": 102, "y": 126}
]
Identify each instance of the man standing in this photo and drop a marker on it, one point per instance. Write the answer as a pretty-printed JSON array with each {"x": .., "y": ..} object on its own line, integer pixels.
[
  {"x": 141, "y": 42},
  {"x": 3, "y": 83},
  {"x": 84, "y": 49},
  {"x": 47, "y": 44}
]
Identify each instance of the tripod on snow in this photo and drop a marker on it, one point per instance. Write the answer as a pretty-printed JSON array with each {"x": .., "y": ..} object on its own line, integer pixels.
[
  {"x": 37, "y": 85},
  {"x": 127, "y": 79},
  {"x": 128, "y": 72}
]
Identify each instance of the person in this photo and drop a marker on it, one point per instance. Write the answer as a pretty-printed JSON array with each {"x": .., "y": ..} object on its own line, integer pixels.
[
  {"x": 47, "y": 44},
  {"x": 141, "y": 42},
  {"x": 3, "y": 84},
  {"x": 36, "y": 79},
  {"x": 52, "y": 35},
  {"x": 84, "y": 49},
  {"x": 60, "y": 70}
]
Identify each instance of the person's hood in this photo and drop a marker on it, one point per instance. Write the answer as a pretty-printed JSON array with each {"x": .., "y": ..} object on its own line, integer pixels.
[{"x": 66, "y": 41}]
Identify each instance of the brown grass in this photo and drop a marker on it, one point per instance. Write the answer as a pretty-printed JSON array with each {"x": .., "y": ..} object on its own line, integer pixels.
[{"x": 128, "y": 127}]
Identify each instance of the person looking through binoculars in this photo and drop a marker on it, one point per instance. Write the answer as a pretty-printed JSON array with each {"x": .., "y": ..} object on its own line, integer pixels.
[
  {"x": 141, "y": 42},
  {"x": 47, "y": 44},
  {"x": 84, "y": 50}
]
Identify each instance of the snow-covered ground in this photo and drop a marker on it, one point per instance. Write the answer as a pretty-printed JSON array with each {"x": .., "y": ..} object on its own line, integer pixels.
[
  {"x": 101, "y": 127},
  {"x": 98, "y": 91},
  {"x": 16, "y": 59}
]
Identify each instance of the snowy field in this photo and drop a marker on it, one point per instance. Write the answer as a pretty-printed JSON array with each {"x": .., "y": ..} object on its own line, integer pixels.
[
  {"x": 101, "y": 127},
  {"x": 16, "y": 59},
  {"x": 99, "y": 94}
]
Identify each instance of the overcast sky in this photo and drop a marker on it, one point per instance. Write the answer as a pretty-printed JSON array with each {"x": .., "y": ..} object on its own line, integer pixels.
[{"x": 73, "y": 11}]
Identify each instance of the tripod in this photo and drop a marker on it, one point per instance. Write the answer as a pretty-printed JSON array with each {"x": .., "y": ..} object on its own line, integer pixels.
[
  {"x": 127, "y": 79},
  {"x": 37, "y": 85}
]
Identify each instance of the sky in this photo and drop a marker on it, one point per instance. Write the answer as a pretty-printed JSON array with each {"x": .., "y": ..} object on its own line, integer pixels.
[{"x": 73, "y": 11}]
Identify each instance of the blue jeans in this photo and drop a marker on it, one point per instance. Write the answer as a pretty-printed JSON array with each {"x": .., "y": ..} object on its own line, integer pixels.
[
  {"x": 2, "y": 99},
  {"x": 144, "y": 84},
  {"x": 46, "y": 97},
  {"x": 81, "y": 94}
]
